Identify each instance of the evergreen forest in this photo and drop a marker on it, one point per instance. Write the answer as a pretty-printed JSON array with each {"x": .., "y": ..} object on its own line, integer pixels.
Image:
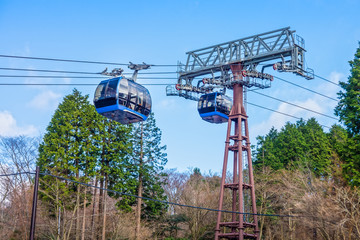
[{"x": 305, "y": 173}]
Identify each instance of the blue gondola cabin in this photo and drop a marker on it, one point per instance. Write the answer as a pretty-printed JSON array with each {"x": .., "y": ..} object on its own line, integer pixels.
[
  {"x": 214, "y": 107},
  {"x": 122, "y": 100}
]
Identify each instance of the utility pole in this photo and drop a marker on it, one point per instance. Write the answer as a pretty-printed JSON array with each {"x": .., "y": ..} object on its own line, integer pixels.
[
  {"x": 233, "y": 65},
  {"x": 34, "y": 206}
]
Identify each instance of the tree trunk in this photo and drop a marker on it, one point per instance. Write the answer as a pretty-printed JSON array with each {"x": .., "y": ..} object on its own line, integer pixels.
[
  {"x": 77, "y": 225},
  {"x": 138, "y": 209},
  {"x": 59, "y": 224},
  {"x": 58, "y": 212},
  {"x": 93, "y": 210},
  {"x": 84, "y": 217},
  {"x": 100, "y": 210},
  {"x": 63, "y": 222},
  {"x": 104, "y": 211},
  {"x": 71, "y": 222},
  {"x": 102, "y": 192},
  {"x": 140, "y": 188}
]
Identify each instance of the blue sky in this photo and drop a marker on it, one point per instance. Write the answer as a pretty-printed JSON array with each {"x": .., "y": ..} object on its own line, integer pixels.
[{"x": 160, "y": 32}]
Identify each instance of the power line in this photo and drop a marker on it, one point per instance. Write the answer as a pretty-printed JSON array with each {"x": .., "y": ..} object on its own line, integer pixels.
[
  {"x": 96, "y": 73},
  {"x": 295, "y": 105},
  {"x": 15, "y": 174},
  {"x": 160, "y": 84},
  {"x": 156, "y": 78},
  {"x": 327, "y": 80},
  {"x": 93, "y": 73},
  {"x": 152, "y": 199},
  {"x": 167, "y": 202},
  {"x": 157, "y": 84},
  {"x": 80, "y": 77},
  {"x": 73, "y": 84},
  {"x": 163, "y": 201},
  {"x": 73, "y": 72},
  {"x": 282, "y": 113},
  {"x": 81, "y": 61},
  {"x": 166, "y": 78},
  {"x": 108, "y": 63},
  {"x": 23, "y": 76},
  {"x": 42, "y": 70},
  {"x": 163, "y": 84},
  {"x": 281, "y": 79},
  {"x": 90, "y": 62},
  {"x": 272, "y": 110},
  {"x": 104, "y": 77},
  {"x": 64, "y": 60}
]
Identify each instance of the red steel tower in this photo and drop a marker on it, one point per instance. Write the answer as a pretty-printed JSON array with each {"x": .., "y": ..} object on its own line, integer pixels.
[
  {"x": 233, "y": 65},
  {"x": 237, "y": 142}
]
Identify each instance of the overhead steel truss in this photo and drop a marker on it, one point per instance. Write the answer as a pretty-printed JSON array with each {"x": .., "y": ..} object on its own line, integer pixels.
[
  {"x": 266, "y": 49},
  {"x": 277, "y": 44}
]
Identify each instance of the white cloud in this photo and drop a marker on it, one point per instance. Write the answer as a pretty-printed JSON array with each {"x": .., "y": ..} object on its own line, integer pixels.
[
  {"x": 329, "y": 89},
  {"x": 67, "y": 80},
  {"x": 9, "y": 128},
  {"x": 45, "y": 100},
  {"x": 167, "y": 104},
  {"x": 336, "y": 77},
  {"x": 316, "y": 103},
  {"x": 278, "y": 120}
]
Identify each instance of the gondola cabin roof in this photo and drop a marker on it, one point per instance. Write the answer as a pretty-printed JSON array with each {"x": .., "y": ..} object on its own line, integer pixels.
[{"x": 122, "y": 100}]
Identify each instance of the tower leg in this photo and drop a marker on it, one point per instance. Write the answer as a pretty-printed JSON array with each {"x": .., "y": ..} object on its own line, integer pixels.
[{"x": 242, "y": 186}]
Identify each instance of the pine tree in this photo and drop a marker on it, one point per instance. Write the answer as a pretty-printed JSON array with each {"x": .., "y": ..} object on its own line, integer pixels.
[
  {"x": 80, "y": 144},
  {"x": 292, "y": 146},
  {"x": 265, "y": 154},
  {"x": 301, "y": 145},
  {"x": 318, "y": 153},
  {"x": 348, "y": 110},
  {"x": 62, "y": 152}
]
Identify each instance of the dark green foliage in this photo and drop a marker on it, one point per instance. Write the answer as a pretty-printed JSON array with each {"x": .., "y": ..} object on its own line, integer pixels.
[
  {"x": 67, "y": 150},
  {"x": 348, "y": 152},
  {"x": 151, "y": 165},
  {"x": 351, "y": 166},
  {"x": 78, "y": 138},
  {"x": 338, "y": 139},
  {"x": 348, "y": 108},
  {"x": 172, "y": 223},
  {"x": 300, "y": 145},
  {"x": 112, "y": 146},
  {"x": 62, "y": 145},
  {"x": 81, "y": 144},
  {"x": 148, "y": 159},
  {"x": 318, "y": 152},
  {"x": 266, "y": 147}
]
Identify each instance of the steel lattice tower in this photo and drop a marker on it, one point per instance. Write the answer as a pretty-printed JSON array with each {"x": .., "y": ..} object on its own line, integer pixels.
[
  {"x": 237, "y": 141},
  {"x": 232, "y": 65}
]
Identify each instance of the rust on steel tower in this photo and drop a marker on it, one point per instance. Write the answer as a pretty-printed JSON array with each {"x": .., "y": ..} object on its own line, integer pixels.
[
  {"x": 237, "y": 141},
  {"x": 233, "y": 65}
]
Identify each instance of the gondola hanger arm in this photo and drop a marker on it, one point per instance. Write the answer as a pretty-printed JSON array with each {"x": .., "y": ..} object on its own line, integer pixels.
[
  {"x": 114, "y": 73},
  {"x": 136, "y": 68}
]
